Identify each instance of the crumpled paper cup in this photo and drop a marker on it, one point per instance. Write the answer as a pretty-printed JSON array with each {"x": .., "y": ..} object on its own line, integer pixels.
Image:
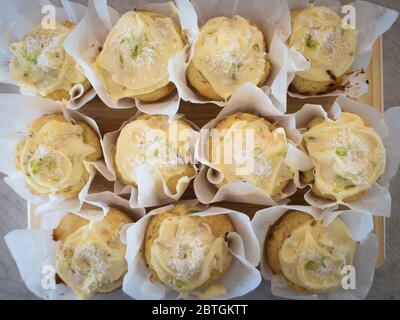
[
  {"x": 84, "y": 42},
  {"x": 34, "y": 253},
  {"x": 17, "y": 18},
  {"x": 151, "y": 190},
  {"x": 272, "y": 17},
  {"x": 373, "y": 21},
  {"x": 241, "y": 278},
  {"x": 360, "y": 226},
  {"x": 248, "y": 99},
  {"x": 14, "y": 128},
  {"x": 377, "y": 200}
]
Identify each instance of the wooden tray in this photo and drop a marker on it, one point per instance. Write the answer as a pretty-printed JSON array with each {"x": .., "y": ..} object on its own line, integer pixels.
[{"x": 110, "y": 120}]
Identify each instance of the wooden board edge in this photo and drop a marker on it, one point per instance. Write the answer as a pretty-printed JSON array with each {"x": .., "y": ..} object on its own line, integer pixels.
[
  {"x": 378, "y": 98},
  {"x": 33, "y": 220}
]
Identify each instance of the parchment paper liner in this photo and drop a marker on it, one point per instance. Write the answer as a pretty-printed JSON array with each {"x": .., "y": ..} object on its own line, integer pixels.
[
  {"x": 360, "y": 226},
  {"x": 33, "y": 250},
  {"x": 377, "y": 200},
  {"x": 241, "y": 278},
  {"x": 84, "y": 42},
  {"x": 150, "y": 192},
  {"x": 16, "y": 113},
  {"x": 256, "y": 102},
  {"x": 17, "y": 18},
  {"x": 373, "y": 21},
  {"x": 272, "y": 17}
]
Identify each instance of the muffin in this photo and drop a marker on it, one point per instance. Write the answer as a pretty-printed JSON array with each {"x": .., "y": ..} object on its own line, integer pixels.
[
  {"x": 228, "y": 53},
  {"x": 91, "y": 256},
  {"x": 308, "y": 254},
  {"x": 133, "y": 62},
  {"x": 188, "y": 253},
  {"x": 318, "y": 34},
  {"x": 51, "y": 157},
  {"x": 159, "y": 144},
  {"x": 41, "y": 65},
  {"x": 348, "y": 157},
  {"x": 257, "y": 159}
]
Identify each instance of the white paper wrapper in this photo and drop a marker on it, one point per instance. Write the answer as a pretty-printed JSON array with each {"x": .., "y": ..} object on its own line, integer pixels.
[
  {"x": 360, "y": 226},
  {"x": 373, "y": 21},
  {"x": 272, "y": 17},
  {"x": 84, "y": 42},
  {"x": 19, "y": 17},
  {"x": 256, "y": 102},
  {"x": 16, "y": 113},
  {"x": 151, "y": 190},
  {"x": 241, "y": 278},
  {"x": 377, "y": 200},
  {"x": 34, "y": 253}
]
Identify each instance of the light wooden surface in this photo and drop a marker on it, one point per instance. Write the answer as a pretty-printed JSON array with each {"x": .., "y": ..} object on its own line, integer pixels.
[
  {"x": 387, "y": 279},
  {"x": 375, "y": 97}
]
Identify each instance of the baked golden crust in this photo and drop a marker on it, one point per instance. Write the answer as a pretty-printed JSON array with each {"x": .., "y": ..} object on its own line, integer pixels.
[
  {"x": 200, "y": 83},
  {"x": 220, "y": 226},
  {"x": 68, "y": 225},
  {"x": 72, "y": 222},
  {"x": 309, "y": 254},
  {"x": 90, "y": 138},
  {"x": 308, "y": 176},
  {"x": 204, "y": 88},
  {"x": 169, "y": 88},
  {"x": 284, "y": 175},
  {"x": 82, "y": 245},
  {"x": 158, "y": 94},
  {"x": 172, "y": 181},
  {"x": 278, "y": 233},
  {"x": 121, "y": 178},
  {"x": 61, "y": 94},
  {"x": 313, "y": 88},
  {"x": 310, "y": 86}
]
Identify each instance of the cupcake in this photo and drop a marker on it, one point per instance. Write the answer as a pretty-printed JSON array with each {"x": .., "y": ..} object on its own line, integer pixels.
[
  {"x": 228, "y": 53},
  {"x": 52, "y": 157},
  {"x": 155, "y": 143},
  {"x": 318, "y": 34},
  {"x": 187, "y": 253},
  {"x": 348, "y": 157},
  {"x": 133, "y": 62},
  {"x": 41, "y": 65},
  {"x": 259, "y": 160},
  {"x": 91, "y": 256},
  {"x": 309, "y": 254}
]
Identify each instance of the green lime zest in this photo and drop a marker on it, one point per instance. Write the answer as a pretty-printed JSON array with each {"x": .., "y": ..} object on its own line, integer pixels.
[
  {"x": 136, "y": 51},
  {"x": 179, "y": 284},
  {"x": 323, "y": 262},
  {"x": 311, "y": 265},
  {"x": 311, "y": 42},
  {"x": 341, "y": 152},
  {"x": 30, "y": 57}
]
